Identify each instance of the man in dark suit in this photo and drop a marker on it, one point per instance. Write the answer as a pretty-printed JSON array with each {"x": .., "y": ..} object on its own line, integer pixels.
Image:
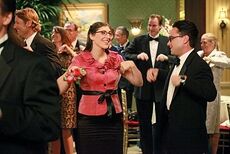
[
  {"x": 28, "y": 27},
  {"x": 188, "y": 89},
  {"x": 143, "y": 51},
  {"x": 72, "y": 30},
  {"x": 29, "y": 95},
  {"x": 121, "y": 36}
]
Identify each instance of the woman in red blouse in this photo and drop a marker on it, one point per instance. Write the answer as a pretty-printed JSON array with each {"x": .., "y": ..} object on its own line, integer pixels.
[{"x": 100, "y": 127}]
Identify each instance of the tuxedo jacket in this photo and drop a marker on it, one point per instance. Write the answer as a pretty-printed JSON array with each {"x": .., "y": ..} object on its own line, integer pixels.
[
  {"x": 45, "y": 47},
  {"x": 29, "y": 101},
  {"x": 149, "y": 91},
  {"x": 184, "y": 124}
]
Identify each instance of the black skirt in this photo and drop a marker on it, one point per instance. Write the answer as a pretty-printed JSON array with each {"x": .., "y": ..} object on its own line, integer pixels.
[{"x": 100, "y": 134}]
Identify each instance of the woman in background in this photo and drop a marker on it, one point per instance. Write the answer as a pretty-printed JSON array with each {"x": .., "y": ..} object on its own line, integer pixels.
[
  {"x": 217, "y": 60},
  {"x": 100, "y": 125},
  {"x": 68, "y": 103}
]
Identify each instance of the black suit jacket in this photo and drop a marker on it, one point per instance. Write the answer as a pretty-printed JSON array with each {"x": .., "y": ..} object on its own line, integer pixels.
[
  {"x": 45, "y": 47},
  {"x": 29, "y": 100},
  {"x": 184, "y": 124},
  {"x": 124, "y": 83},
  {"x": 149, "y": 91}
]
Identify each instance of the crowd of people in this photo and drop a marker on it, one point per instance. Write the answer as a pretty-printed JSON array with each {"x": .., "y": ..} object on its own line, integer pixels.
[{"x": 60, "y": 92}]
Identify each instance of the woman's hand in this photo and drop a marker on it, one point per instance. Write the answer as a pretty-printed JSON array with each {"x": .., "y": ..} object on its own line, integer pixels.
[
  {"x": 131, "y": 73},
  {"x": 126, "y": 66},
  {"x": 67, "y": 49}
]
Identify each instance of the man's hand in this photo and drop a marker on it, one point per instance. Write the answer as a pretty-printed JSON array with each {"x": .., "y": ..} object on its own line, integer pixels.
[
  {"x": 143, "y": 56},
  {"x": 162, "y": 57},
  {"x": 177, "y": 79},
  {"x": 152, "y": 74}
]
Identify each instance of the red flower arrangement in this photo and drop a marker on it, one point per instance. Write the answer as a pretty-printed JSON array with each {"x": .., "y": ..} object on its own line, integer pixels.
[{"x": 74, "y": 74}]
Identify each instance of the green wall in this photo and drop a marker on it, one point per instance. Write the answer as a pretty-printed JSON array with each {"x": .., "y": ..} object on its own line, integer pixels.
[{"x": 122, "y": 10}]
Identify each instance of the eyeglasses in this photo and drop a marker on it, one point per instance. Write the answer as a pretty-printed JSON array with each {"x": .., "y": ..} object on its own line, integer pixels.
[
  {"x": 105, "y": 33},
  {"x": 173, "y": 37}
]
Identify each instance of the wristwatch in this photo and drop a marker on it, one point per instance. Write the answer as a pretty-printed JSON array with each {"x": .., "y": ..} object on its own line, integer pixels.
[{"x": 182, "y": 79}]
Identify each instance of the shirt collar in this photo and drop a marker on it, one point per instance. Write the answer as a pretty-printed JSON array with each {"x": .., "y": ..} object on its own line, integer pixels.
[
  {"x": 30, "y": 39},
  {"x": 156, "y": 36},
  {"x": 74, "y": 43},
  {"x": 2, "y": 39},
  {"x": 124, "y": 45},
  {"x": 184, "y": 56}
]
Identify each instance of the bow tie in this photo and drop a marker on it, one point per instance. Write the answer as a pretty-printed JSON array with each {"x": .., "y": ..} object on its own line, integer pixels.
[
  {"x": 174, "y": 60},
  {"x": 151, "y": 38}
]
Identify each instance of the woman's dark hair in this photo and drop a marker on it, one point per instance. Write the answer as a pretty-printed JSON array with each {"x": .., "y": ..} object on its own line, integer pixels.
[
  {"x": 92, "y": 30},
  {"x": 63, "y": 33}
]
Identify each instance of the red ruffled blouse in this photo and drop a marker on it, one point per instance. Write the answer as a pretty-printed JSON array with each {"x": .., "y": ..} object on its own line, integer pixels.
[{"x": 99, "y": 77}]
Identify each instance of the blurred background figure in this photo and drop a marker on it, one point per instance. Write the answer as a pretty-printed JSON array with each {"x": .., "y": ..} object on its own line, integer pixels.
[
  {"x": 217, "y": 60},
  {"x": 29, "y": 94},
  {"x": 68, "y": 104},
  {"x": 77, "y": 46},
  {"x": 28, "y": 28},
  {"x": 72, "y": 30},
  {"x": 121, "y": 36}
]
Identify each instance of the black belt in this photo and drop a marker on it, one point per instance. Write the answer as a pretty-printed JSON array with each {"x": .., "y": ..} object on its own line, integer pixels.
[{"x": 104, "y": 96}]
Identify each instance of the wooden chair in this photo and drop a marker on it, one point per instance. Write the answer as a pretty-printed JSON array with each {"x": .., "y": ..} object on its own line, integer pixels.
[{"x": 125, "y": 121}]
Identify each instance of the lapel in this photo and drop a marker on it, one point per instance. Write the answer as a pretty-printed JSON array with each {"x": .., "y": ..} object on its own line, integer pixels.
[
  {"x": 146, "y": 48},
  {"x": 184, "y": 69},
  {"x": 127, "y": 45},
  {"x": 34, "y": 42},
  {"x": 5, "y": 58}
]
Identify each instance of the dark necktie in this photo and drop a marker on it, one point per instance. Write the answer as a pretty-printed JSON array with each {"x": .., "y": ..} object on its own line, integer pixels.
[
  {"x": 151, "y": 38},
  {"x": 120, "y": 48},
  {"x": 24, "y": 44}
]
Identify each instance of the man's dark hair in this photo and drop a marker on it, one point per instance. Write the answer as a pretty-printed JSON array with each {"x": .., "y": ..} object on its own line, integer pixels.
[
  {"x": 186, "y": 27},
  {"x": 8, "y": 6}
]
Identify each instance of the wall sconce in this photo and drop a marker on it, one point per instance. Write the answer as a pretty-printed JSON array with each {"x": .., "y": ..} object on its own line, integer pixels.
[
  {"x": 222, "y": 17},
  {"x": 135, "y": 26}
]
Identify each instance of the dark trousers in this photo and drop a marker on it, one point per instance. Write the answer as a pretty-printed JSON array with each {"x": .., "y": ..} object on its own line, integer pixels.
[{"x": 144, "y": 110}]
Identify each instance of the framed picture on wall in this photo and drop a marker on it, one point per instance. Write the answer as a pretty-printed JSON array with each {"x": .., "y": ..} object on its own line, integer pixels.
[{"x": 84, "y": 15}]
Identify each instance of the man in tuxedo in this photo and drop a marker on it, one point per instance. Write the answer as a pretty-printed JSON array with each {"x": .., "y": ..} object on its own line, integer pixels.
[
  {"x": 143, "y": 51},
  {"x": 188, "y": 88},
  {"x": 121, "y": 36},
  {"x": 29, "y": 95},
  {"x": 28, "y": 27}
]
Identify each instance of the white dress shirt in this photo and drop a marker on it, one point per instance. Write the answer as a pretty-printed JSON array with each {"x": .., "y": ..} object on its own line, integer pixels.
[
  {"x": 175, "y": 71},
  {"x": 30, "y": 39},
  {"x": 4, "y": 38}
]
